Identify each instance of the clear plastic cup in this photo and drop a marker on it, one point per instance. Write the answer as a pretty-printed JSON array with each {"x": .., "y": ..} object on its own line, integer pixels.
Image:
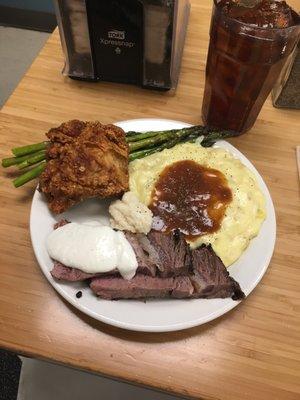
[{"x": 243, "y": 64}]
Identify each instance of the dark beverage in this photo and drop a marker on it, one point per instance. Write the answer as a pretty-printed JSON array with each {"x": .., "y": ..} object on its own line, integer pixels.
[{"x": 250, "y": 42}]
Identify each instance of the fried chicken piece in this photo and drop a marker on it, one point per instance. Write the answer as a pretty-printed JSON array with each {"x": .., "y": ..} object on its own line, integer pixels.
[{"x": 85, "y": 159}]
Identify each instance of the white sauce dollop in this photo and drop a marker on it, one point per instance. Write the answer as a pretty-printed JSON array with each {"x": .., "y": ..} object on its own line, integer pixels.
[{"x": 92, "y": 248}]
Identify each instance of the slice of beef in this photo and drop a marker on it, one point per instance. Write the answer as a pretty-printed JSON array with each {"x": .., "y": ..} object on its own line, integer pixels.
[
  {"x": 166, "y": 268},
  {"x": 64, "y": 273},
  {"x": 210, "y": 277},
  {"x": 141, "y": 286},
  {"x": 150, "y": 250},
  {"x": 167, "y": 256},
  {"x": 173, "y": 252},
  {"x": 146, "y": 255},
  {"x": 61, "y": 272},
  {"x": 182, "y": 287}
]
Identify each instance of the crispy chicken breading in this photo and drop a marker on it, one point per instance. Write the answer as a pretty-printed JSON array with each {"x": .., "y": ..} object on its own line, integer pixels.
[{"x": 85, "y": 159}]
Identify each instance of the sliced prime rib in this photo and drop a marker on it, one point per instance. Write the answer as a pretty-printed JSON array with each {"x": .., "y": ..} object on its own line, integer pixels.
[
  {"x": 167, "y": 267},
  {"x": 64, "y": 273},
  {"x": 142, "y": 286},
  {"x": 61, "y": 272},
  {"x": 146, "y": 254},
  {"x": 173, "y": 252},
  {"x": 166, "y": 256},
  {"x": 207, "y": 279},
  {"x": 210, "y": 277}
]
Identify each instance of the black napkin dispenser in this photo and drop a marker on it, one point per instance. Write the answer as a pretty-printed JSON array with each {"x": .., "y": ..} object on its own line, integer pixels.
[{"x": 136, "y": 42}]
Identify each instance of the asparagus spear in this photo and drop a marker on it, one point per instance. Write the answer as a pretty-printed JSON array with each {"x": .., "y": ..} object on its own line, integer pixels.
[
  {"x": 33, "y": 159},
  {"x": 8, "y": 162},
  {"x": 147, "y": 152},
  {"x": 29, "y": 175},
  {"x": 161, "y": 138},
  {"x": 142, "y": 153},
  {"x": 147, "y": 143},
  {"x": 140, "y": 136},
  {"x": 133, "y": 136},
  {"x": 186, "y": 136},
  {"x": 149, "y": 134},
  {"x": 28, "y": 149},
  {"x": 213, "y": 136}
]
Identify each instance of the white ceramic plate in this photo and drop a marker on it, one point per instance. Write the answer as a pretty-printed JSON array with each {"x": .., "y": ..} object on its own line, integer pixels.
[{"x": 154, "y": 315}]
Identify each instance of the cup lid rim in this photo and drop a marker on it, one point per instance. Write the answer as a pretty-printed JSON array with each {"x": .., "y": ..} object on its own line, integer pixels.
[{"x": 216, "y": 3}]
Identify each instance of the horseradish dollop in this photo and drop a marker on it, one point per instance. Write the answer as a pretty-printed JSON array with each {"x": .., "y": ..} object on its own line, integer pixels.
[{"x": 92, "y": 248}]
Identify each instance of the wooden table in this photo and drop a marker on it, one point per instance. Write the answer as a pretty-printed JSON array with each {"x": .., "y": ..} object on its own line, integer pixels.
[{"x": 253, "y": 352}]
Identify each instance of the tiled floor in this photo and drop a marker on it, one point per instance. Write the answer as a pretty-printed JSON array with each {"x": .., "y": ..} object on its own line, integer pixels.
[
  {"x": 44, "y": 381},
  {"x": 18, "y": 48},
  {"x": 40, "y": 380}
]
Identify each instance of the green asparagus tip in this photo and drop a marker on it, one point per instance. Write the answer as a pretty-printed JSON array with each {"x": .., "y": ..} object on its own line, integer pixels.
[
  {"x": 29, "y": 175},
  {"x": 8, "y": 162},
  {"x": 31, "y": 148}
]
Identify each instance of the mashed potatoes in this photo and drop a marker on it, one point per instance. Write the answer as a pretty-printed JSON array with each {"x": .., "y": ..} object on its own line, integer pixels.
[{"x": 244, "y": 215}]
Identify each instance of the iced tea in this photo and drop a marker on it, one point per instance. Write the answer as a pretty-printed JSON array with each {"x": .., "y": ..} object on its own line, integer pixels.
[{"x": 250, "y": 41}]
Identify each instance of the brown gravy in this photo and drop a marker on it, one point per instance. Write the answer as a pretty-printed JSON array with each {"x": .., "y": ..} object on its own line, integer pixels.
[{"x": 191, "y": 198}]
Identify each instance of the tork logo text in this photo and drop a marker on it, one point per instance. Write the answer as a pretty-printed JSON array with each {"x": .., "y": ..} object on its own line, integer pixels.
[
  {"x": 116, "y": 38},
  {"x": 116, "y": 34}
]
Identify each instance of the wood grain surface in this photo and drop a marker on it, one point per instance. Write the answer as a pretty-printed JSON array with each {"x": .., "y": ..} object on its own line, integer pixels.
[{"x": 253, "y": 352}]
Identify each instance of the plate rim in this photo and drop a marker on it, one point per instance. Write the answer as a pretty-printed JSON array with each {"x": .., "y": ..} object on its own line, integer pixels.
[{"x": 180, "y": 325}]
